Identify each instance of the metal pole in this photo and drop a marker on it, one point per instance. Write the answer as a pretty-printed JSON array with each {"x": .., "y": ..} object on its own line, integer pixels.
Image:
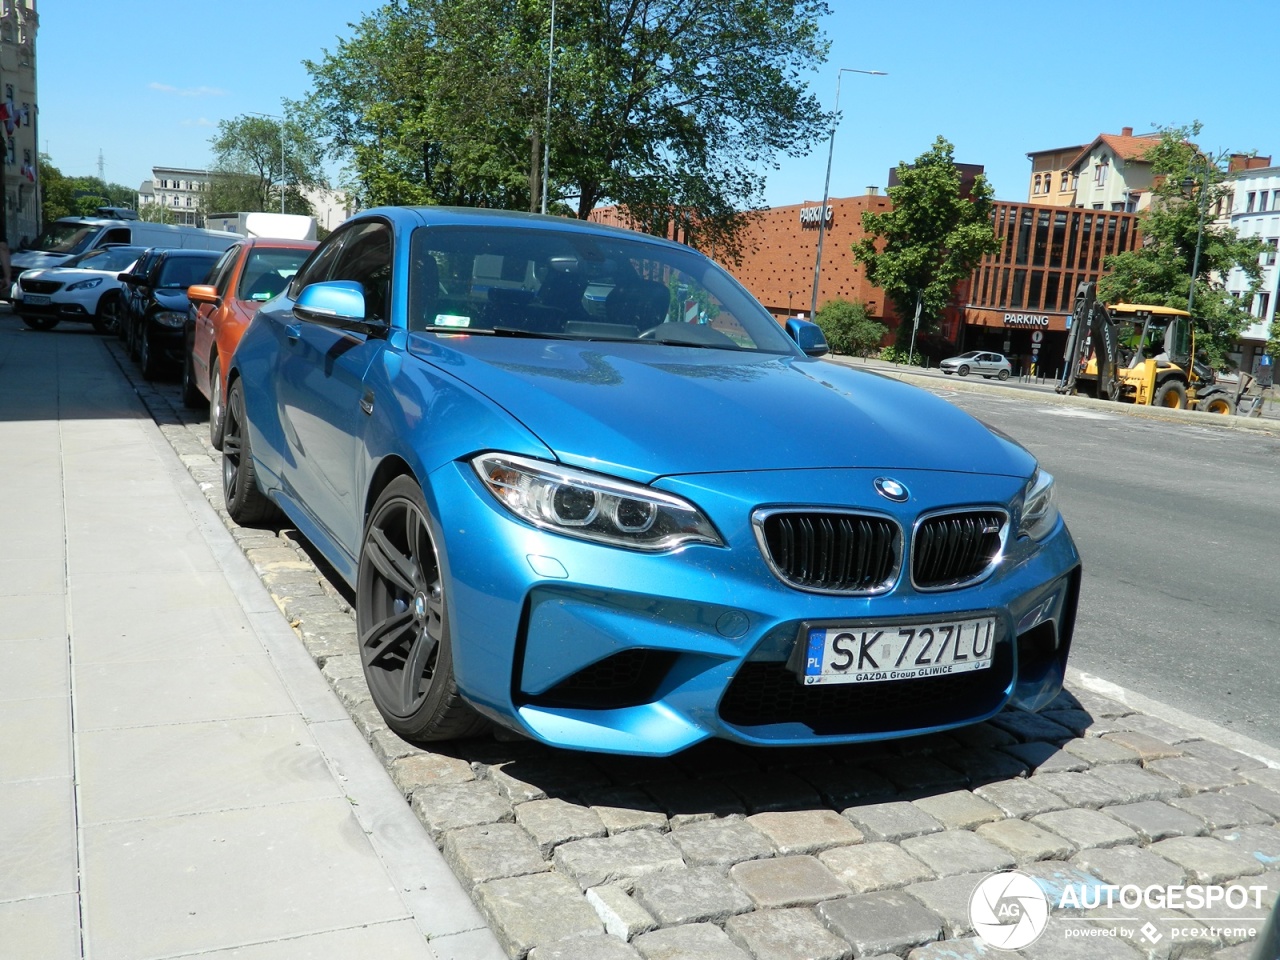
[
  {"x": 546, "y": 134},
  {"x": 1195, "y": 262},
  {"x": 826, "y": 189},
  {"x": 282, "y": 165}
]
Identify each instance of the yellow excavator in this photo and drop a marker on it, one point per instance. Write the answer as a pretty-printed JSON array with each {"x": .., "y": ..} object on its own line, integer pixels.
[{"x": 1146, "y": 354}]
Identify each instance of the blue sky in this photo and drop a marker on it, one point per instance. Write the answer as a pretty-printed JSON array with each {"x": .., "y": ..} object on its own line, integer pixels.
[{"x": 147, "y": 83}]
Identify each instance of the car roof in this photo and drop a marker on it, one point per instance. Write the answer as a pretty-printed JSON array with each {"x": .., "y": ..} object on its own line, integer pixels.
[{"x": 473, "y": 216}]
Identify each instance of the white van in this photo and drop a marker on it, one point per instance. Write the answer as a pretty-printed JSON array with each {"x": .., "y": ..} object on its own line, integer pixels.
[{"x": 68, "y": 236}]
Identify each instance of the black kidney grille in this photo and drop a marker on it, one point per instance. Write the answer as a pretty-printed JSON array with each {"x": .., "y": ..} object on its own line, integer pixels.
[
  {"x": 832, "y": 551},
  {"x": 953, "y": 548}
]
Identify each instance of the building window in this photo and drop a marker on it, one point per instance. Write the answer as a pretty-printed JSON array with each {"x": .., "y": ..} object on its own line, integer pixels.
[
  {"x": 1249, "y": 201},
  {"x": 1035, "y": 188},
  {"x": 1269, "y": 254},
  {"x": 1275, "y": 200},
  {"x": 1100, "y": 172},
  {"x": 1264, "y": 304},
  {"x": 1065, "y": 180},
  {"x": 1262, "y": 202}
]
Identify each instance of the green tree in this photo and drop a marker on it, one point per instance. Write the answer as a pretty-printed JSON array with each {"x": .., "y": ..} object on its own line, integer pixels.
[
  {"x": 934, "y": 236},
  {"x": 249, "y": 155},
  {"x": 65, "y": 196},
  {"x": 674, "y": 111},
  {"x": 849, "y": 329},
  {"x": 1188, "y": 186},
  {"x": 154, "y": 212}
]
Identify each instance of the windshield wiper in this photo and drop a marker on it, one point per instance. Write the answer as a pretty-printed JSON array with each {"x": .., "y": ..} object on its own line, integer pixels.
[{"x": 671, "y": 342}]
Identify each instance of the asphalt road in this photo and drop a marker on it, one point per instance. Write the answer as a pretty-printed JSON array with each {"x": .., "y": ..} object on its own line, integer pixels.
[{"x": 1179, "y": 528}]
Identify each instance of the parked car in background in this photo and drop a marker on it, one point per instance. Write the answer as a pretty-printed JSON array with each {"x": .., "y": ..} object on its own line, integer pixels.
[
  {"x": 981, "y": 362},
  {"x": 245, "y": 277},
  {"x": 68, "y": 236},
  {"x": 131, "y": 296},
  {"x": 567, "y": 503},
  {"x": 85, "y": 289},
  {"x": 159, "y": 313}
]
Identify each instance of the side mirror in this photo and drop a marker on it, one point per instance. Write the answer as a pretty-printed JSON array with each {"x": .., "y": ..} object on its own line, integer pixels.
[
  {"x": 202, "y": 293},
  {"x": 337, "y": 303},
  {"x": 808, "y": 336}
]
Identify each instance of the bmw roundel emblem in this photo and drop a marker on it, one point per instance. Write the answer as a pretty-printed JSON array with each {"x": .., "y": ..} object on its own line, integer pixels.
[{"x": 891, "y": 489}]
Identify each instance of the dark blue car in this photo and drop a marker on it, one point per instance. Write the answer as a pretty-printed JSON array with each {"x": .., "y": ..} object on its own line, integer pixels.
[
  {"x": 158, "y": 307},
  {"x": 584, "y": 486}
]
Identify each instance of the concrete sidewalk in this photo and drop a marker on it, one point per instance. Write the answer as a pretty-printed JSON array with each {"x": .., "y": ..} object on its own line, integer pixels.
[{"x": 176, "y": 779}]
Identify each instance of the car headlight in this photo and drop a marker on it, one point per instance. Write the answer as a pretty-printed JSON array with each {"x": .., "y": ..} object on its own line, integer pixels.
[
  {"x": 1039, "y": 507},
  {"x": 170, "y": 318},
  {"x": 85, "y": 284},
  {"x": 590, "y": 506}
]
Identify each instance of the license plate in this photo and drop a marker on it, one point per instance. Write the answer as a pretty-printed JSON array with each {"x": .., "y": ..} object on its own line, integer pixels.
[
  {"x": 36, "y": 299},
  {"x": 870, "y": 654}
]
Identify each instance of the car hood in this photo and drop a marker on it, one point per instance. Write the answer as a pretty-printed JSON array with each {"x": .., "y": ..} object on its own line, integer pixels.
[
  {"x": 70, "y": 274},
  {"x": 35, "y": 259},
  {"x": 171, "y": 298},
  {"x": 648, "y": 410}
]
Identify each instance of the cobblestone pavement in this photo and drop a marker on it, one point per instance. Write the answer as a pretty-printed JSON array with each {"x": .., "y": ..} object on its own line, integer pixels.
[{"x": 732, "y": 853}]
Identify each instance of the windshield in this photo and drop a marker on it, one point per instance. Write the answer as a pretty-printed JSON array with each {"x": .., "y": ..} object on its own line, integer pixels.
[
  {"x": 110, "y": 259},
  {"x": 66, "y": 237},
  {"x": 184, "y": 271},
  {"x": 565, "y": 284}
]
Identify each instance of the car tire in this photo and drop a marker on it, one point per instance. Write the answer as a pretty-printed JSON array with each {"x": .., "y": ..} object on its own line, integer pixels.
[
  {"x": 246, "y": 503},
  {"x": 135, "y": 350},
  {"x": 1217, "y": 403},
  {"x": 146, "y": 357},
  {"x": 1003, "y": 375},
  {"x": 964, "y": 370},
  {"x": 109, "y": 313},
  {"x": 1171, "y": 395},
  {"x": 40, "y": 323},
  {"x": 192, "y": 398},
  {"x": 402, "y": 622},
  {"x": 948, "y": 372},
  {"x": 217, "y": 409}
]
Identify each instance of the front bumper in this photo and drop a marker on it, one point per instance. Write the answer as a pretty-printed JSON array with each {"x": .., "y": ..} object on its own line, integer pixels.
[{"x": 595, "y": 648}]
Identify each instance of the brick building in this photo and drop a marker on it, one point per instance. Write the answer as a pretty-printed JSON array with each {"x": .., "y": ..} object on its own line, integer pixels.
[
  {"x": 782, "y": 245},
  {"x": 1018, "y": 301}
]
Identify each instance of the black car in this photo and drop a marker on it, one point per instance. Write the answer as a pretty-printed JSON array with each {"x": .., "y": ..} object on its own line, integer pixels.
[
  {"x": 131, "y": 296},
  {"x": 158, "y": 311}
]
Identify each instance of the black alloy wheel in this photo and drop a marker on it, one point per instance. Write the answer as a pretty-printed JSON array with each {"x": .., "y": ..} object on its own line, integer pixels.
[
  {"x": 217, "y": 410},
  {"x": 192, "y": 398},
  {"x": 110, "y": 313},
  {"x": 402, "y": 622},
  {"x": 246, "y": 503},
  {"x": 147, "y": 358}
]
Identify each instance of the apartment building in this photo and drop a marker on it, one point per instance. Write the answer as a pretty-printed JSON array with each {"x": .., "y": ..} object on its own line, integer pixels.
[
  {"x": 18, "y": 120},
  {"x": 1111, "y": 173},
  {"x": 1255, "y": 212},
  {"x": 179, "y": 190}
]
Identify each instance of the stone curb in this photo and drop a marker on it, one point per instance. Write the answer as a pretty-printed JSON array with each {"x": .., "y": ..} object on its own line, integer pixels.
[{"x": 769, "y": 855}]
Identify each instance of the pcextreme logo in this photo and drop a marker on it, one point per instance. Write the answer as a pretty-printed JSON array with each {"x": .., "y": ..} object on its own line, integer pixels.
[{"x": 1008, "y": 910}]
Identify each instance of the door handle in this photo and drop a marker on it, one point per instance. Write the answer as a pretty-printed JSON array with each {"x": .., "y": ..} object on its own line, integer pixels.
[
  {"x": 293, "y": 331},
  {"x": 366, "y": 402}
]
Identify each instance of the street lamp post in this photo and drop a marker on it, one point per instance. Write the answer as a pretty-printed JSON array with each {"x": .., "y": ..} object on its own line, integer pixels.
[
  {"x": 546, "y": 135},
  {"x": 1203, "y": 201},
  {"x": 826, "y": 189}
]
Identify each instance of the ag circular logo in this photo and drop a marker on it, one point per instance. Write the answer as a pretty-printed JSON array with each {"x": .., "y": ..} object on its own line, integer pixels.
[{"x": 1008, "y": 910}]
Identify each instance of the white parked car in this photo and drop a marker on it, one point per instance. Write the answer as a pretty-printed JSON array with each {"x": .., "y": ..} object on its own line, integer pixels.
[
  {"x": 84, "y": 288},
  {"x": 981, "y": 362}
]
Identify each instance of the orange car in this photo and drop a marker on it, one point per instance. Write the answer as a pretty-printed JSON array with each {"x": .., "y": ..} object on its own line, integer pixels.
[{"x": 248, "y": 275}]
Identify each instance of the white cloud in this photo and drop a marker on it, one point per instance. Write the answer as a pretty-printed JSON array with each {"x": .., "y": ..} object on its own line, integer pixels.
[{"x": 188, "y": 91}]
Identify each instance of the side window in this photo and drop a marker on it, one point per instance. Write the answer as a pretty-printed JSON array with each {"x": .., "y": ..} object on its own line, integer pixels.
[
  {"x": 366, "y": 258},
  {"x": 220, "y": 276},
  {"x": 316, "y": 269}
]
